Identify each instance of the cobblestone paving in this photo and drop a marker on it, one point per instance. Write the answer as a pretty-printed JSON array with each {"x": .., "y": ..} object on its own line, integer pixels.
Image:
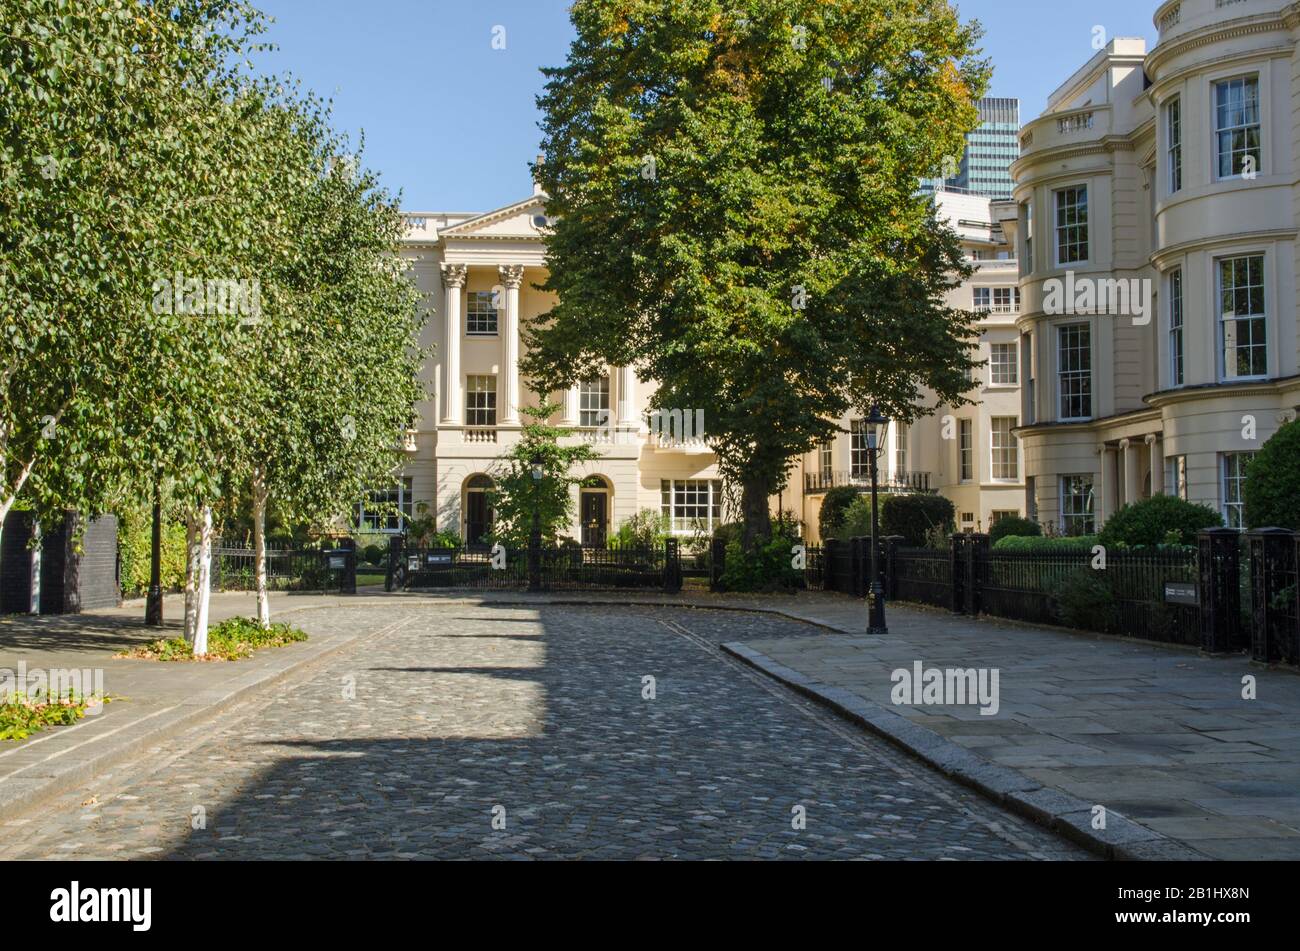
[{"x": 523, "y": 733}]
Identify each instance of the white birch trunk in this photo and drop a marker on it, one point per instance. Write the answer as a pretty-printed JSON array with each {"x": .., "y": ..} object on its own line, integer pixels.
[
  {"x": 204, "y": 593},
  {"x": 259, "y": 551},
  {"x": 192, "y": 552}
]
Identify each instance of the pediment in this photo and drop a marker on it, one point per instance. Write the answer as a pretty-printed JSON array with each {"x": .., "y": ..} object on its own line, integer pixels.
[{"x": 512, "y": 223}]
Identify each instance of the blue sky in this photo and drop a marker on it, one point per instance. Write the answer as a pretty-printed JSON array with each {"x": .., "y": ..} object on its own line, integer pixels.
[{"x": 452, "y": 122}]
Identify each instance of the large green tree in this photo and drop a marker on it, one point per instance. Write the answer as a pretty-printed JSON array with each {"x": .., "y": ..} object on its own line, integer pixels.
[
  {"x": 106, "y": 112},
  {"x": 734, "y": 189}
]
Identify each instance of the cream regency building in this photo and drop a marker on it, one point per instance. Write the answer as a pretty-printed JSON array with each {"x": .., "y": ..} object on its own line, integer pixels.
[
  {"x": 480, "y": 273},
  {"x": 1176, "y": 168},
  {"x": 970, "y": 454}
]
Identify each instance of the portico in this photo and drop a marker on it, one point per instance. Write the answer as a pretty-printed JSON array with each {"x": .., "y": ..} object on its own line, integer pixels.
[{"x": 483, "y": 275}]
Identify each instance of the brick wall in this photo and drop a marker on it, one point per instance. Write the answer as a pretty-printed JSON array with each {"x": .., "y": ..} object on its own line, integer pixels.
[
  {"x": 72, "y": 582},
  {"x": 16, "y": 564}
]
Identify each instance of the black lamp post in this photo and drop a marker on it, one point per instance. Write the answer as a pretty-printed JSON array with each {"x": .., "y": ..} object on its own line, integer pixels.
[
  {"x": 153, "y": 612},
  {"x": 877, "y": 426},
  {"x": 535, "y": 537}
]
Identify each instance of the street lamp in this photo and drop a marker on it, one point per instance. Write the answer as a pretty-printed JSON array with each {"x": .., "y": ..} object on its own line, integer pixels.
[
  {"x": 877, "y": 424},
  {"x": 535, "y": 537},
  {"x": 153, "y": 612}
]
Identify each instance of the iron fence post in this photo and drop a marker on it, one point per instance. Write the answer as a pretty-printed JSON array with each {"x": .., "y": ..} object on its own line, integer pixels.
[
  {"x": 956, "y": 559},
  {"x": 535, "y": 560},
  {"x": 1219, "y": 567},
  {"x": 977, "y": 562},
  {"x": 392, "y": 577},
  {"x": 829, "y": 548},
  {"x": 672, "y": 567},
  {"x": 1270, "y": 552},
  {"x": 858, "y": 547},
  {"x": 892, "y": 544}
]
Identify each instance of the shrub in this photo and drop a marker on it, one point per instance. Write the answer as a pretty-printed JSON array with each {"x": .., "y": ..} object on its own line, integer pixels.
[
  {"x": 648, "y": 528},
  {"x": 768, "y": 568},
  {"x": 135, "y": 543},
  {"x": 234, "y": 639},
  {"x": 1159, "y": 520},
  {"x": 835, "y": 506},
  {"x": 1024, "y": 543},
  {"x": 730, "y": 532},
  {"x": 857, "y": 520},
  {"x": 1014, "y": 526},
  {"x": 21, "y": 716},
  {"x": 915, "y": 516},
  {"x": 1086, "y": 601},
  {"x": 1272, "y": 491}
]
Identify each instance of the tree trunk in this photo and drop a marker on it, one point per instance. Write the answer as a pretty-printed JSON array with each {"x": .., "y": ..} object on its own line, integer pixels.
[
  {"x": 192, "y": 553},
  {"x": 203, "y": 595},
  {"x": 259, "y": 551},
  {"x": 756, "y": 511}
]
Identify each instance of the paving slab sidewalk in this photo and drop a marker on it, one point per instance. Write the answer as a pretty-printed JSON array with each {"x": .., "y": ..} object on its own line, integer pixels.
[
  {"x": 1160, "y": 735},
  {"x": 154, "y": 699}
]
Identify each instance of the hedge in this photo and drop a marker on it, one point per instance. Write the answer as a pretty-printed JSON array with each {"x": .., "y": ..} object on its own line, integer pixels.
[
  {"x": 1272, "y": 491},
  {"x": 1159, "y": 520}
]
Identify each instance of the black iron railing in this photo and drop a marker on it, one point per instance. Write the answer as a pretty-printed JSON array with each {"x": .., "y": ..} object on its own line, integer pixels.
[
  {"x": 899, "y": 483},
  {"x": 557, "y": 568}
]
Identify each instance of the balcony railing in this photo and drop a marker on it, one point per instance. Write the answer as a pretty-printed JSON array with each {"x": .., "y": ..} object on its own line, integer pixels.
[
  {"x": 899, "y": 483},
  {"x": 479, "y": 434}
]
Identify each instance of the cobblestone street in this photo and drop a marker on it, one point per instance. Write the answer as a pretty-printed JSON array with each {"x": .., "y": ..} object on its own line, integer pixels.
[{"x": 479, "y": 731}]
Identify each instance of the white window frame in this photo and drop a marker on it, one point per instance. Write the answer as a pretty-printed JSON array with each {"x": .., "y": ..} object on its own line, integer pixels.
[
  {"x": 1011, "y": 378},
  {"x": 1060, "y": 329},
  {"x": 593, "y": 402},
  {"x": 826, "y": 461},
  {"x": 1218, "y": 131},
  {"x": 1222, "y": 318},
  {"x": 1080, "y": 192},
  {"x": 1029, "y": 238},
  {"x": 480, "y": 401},
  {"x": 1174, "y": 145},
  {"x": 901, "y": 433},
  {"x": 386, "y": 523},
  {"x": 859, "y": 451},
  {"x": 1004, "y": 457},
  {"x": 1176, "y": 477},
  {"x": 693, "y": 493},
  {"x": 481, "y": 310},
  {"x": 965, "y": 450},
  {"x": 1232, "y": 482},
  {"x": 1177, "y": 328},
  {"x": 1089, "y": 513}
]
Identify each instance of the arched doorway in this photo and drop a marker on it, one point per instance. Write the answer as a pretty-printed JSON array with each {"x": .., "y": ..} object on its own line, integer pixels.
[
  {"x": 595, "y": 498},
  {"x": 478, "y": 511}
]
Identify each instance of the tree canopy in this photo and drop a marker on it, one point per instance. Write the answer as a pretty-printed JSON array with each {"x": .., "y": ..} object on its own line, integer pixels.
[{"x": 735, "y": 195}]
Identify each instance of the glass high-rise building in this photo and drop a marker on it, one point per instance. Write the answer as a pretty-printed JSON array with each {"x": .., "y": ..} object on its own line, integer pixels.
[{"x": 990, "y": 149}]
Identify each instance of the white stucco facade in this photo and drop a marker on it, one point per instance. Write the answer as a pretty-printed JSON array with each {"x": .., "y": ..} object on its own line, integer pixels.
[
  {"x": 481, "y": 273},
  {"x": 1185, "y": 159}
]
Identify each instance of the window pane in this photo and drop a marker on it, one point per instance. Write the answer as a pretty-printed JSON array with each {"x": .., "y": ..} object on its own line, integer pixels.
[
  {"x": 1242, "y": 319},
  {"x": 481, "y": 313},
  {"x": 1075, "y": 361}
]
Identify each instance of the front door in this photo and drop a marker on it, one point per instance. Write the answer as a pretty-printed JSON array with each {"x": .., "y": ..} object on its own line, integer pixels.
[
  {"x": 595, "y": 516},
  {"x": 478, "y": 518}
]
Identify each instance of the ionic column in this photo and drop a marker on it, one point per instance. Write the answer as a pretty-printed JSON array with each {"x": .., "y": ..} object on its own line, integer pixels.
[
  {"x": 627, "y": 396},
  {"x": 453, "y": 279},
  {"x": 1109, "y": 484},
  {"x": 512, "y": 276},
  {"x": 1132, "y": 480},
  {"x": 1157, "y": 460},
  {"x": 570, "y": 417}
]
